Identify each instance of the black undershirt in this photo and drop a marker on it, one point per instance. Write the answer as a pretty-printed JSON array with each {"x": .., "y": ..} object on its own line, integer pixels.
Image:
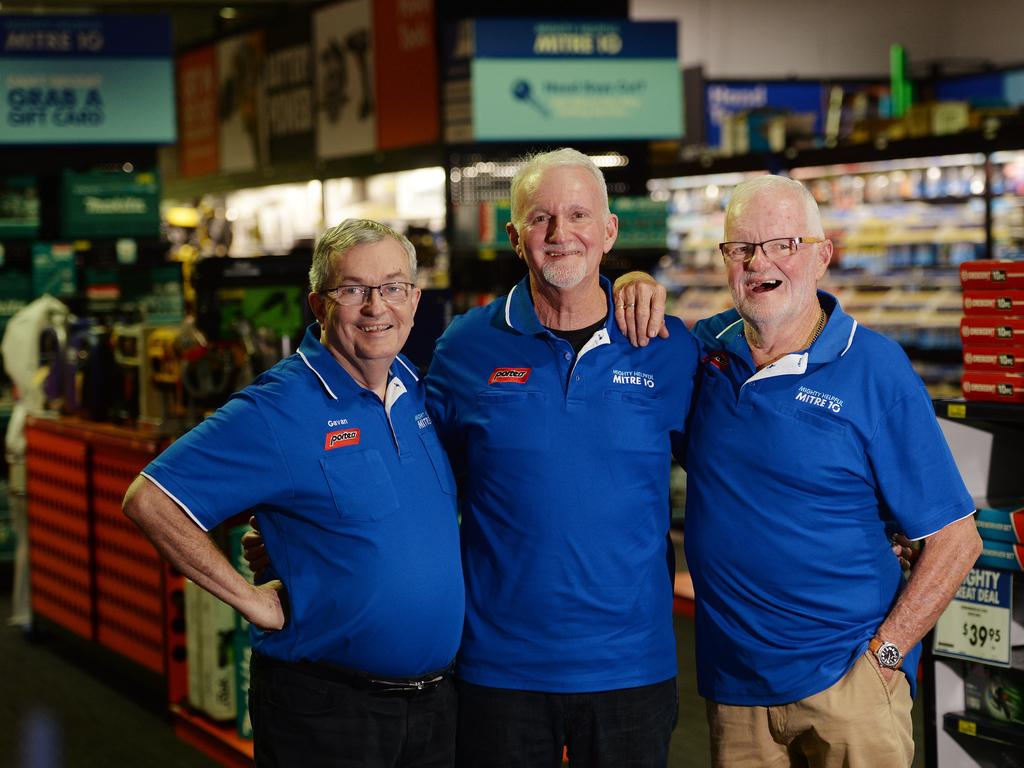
[{"x": 580, "y": 337}]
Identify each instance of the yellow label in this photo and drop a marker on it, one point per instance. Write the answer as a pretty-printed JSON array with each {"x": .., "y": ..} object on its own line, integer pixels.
[
  {"x": 956, "y": 411},
  {"x": 966, "y": 726}
]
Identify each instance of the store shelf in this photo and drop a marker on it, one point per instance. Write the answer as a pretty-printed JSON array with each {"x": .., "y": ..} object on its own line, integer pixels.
[
  {"x": 979, "y": 727},
  {"x": 968, "y": 410},
  {"x": 221, "y": 742}
]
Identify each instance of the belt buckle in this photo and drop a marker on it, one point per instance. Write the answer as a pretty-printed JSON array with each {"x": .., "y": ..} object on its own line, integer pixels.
[{"x": 406, "y": 685}]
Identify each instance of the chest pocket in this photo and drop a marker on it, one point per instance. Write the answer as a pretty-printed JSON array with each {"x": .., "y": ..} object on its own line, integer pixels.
[
  {"x": 634, "y": 421},
  {"x": 439, "y": 460},
  {"x": 510, "y": 419},
  {"x": 360, "y": 484}
]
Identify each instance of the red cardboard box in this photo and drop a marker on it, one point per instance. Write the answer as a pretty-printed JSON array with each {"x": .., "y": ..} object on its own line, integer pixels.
[
  {"x": 986, "y": 274},
  {"x": 1002, "y": 302},
  {"x": 987, "y": 385},
  {"x": 983, "y": 358},
  {"x": 989, "y": 330}
]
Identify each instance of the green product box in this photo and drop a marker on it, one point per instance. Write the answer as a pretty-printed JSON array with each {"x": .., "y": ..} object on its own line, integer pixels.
[{"x": 242, "y": 644}]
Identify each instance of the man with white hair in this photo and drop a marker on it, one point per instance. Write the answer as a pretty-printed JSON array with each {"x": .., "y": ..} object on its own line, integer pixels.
[
  {"x": 810, "y": 433},
  {"x": 562, "y": 433}
]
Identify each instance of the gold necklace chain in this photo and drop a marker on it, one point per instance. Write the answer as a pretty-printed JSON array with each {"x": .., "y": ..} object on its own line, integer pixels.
[{"x": 818, "y": 328}]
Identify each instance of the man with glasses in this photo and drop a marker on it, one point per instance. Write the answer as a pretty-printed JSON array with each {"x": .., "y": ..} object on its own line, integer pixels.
[
  {"x": 353, "y": 494},
  {"x": 810, "y": 441}
]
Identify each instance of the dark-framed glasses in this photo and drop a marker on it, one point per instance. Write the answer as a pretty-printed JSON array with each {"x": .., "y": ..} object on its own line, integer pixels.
[
  {"x": 776, "y": 248},
  {"x": 354, "y": 295}
]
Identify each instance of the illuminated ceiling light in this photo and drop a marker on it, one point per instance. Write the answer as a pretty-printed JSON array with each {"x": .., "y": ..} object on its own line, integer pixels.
[
  {"x": 127, "y": 167},
  {"x": 227, "y": 12},
  {"x": 611, "y": 160}
]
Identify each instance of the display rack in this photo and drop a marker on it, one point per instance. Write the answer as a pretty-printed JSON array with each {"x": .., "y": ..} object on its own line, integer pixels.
[{"x": 987, "y": 440}]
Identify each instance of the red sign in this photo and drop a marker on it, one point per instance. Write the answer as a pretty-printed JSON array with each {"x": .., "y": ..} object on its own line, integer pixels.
[
  {"x": 405, "y": 69},
  {"x": 197, "y": 113}
]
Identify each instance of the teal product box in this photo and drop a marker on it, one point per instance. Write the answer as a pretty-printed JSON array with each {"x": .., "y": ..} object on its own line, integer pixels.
[
  {"x": 242, "y": 644},
  {"x": 995, "y": 692},
  {"x": 1003, "y": 523},
  {"x": 1001, "y": 554}
]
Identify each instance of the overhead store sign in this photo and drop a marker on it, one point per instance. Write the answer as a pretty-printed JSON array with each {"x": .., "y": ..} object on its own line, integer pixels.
[
  {"x": 347, "y": 119},
  {"x": 405, "y": 63},
  {"x": 198, "y": 152},
  {"x": 86, "y": 80},
  {"x": 288, "y": 86},
  {"x": 723, "y": 98},
  {"x": 547, "y": 79},
  {"x": 243, "y": 145},
  {"x": 110, "y": 204}
]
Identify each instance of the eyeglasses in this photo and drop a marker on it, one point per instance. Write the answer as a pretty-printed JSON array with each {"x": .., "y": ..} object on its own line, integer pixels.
[
  {"x": 355, "y": 295},
  {"x": 776, "y": 248}
]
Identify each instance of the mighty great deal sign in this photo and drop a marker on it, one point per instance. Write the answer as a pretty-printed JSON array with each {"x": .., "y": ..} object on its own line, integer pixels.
[{"x": 86, "y": 80}]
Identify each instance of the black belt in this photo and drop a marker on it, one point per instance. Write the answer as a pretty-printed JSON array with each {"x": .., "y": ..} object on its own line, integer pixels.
[{"x": 353, "y": 677}]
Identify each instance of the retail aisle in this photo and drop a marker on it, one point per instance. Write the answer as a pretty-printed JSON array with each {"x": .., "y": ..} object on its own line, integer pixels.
[{"x": 59, "y": 710}]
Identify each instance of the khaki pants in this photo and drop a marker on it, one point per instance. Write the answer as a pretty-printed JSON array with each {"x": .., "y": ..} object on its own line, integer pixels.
[{"x": 860, "y": 722}]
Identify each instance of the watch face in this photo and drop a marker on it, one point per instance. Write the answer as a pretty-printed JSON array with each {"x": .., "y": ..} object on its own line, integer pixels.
[{"x": 889, "y": 655}]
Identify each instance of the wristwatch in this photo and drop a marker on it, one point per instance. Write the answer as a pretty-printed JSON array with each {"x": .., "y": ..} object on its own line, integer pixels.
[{"x": 888, "y": 654}]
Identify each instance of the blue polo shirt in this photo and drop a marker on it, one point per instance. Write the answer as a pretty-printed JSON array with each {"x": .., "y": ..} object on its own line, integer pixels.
[
  {"x": 796, "y": 476},
  {"x": 563, "y": 463},
  {"x": 355, "y": 500}
]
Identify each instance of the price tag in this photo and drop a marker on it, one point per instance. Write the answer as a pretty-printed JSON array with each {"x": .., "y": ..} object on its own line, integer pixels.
[{"x": 976, "y": 624}]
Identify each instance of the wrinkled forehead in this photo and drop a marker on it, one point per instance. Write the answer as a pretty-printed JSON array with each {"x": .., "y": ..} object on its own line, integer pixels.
[{"x": 769, "y": 207}]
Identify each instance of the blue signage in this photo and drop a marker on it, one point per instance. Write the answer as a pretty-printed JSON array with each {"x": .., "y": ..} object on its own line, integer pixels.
[
  {"x": 723, "y": 98},
  {"x": 86, "y": 80},
  {"x": 565, "y": 80}
]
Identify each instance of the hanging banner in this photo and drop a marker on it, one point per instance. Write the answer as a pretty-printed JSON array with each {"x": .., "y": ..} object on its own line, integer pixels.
[
  {"x": 86, "y": 80},
  {"x": 566, "y": 80},
  {"x": 405, "y": 42},
  {"x": 346, "y": 104},
  {"x": 288, "y": 86},
  {"x": 243, "y": 144},
  {"x": 197, "y": 113},
  {"x": 114, "y": 204}
]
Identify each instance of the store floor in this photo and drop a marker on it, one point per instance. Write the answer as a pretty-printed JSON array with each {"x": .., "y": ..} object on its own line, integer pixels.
[{"x": 63, "y": 707}]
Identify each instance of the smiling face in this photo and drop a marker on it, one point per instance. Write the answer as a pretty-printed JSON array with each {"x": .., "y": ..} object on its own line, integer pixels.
[
  {"x": 784, "y": 292},
  {"x": 366, "y": 337},
  {"x": 565, "y": 227}
]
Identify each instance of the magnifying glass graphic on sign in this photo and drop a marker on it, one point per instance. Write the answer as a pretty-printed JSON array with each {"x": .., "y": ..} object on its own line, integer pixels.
[{"x": 521, "y": 91}]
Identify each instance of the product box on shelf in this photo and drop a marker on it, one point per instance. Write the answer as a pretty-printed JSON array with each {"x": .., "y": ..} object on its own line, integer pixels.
[
  {"x": 993, "y": 386},
  {"x": 1001, "y": 554},
  {"x": 994, "y": 302},
  {"x": 991, "y": 330},
  {"x": 242, "y": 645},
  {"x": 996, "y": 692},
  {"x": 1001, "y": 523},
  {"x": 991, "y": 273},
  {"x": 209, "y": 637},
  {"x": 982, "y": 358}
]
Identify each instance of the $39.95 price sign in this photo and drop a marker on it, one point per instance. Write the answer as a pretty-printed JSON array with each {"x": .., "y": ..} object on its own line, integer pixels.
[{"x": 976, "y": 624}]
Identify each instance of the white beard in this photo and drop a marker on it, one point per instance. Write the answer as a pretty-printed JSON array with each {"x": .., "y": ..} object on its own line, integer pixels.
[{"x": 565, "y": 275}]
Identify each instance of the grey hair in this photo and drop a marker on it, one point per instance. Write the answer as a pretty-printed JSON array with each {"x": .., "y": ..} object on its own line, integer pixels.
[
  {"x": 747, "y": 190},
  {"x": 540, "y": 162},
  {"x": 339, "y": 240}
]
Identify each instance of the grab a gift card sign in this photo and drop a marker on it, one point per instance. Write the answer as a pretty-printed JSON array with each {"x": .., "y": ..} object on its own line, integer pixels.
[
  {"x": 565, "y": 80},
  {"x": 86, "y": 80},
  {"x": 977, "y": 623}
]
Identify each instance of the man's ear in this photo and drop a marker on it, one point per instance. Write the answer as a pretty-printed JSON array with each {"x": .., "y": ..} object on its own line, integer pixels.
[
  {"x": 825, "y": 250},
  {"x": 513, "y": 238},
  {"x": 316, "y": 305},
  {"x": 611, "y": 231}
]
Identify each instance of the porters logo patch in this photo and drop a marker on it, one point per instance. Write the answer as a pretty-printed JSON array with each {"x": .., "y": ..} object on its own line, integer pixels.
[
  {"x": 341, "y": 437},
  {"x": 514, "y": 375}
]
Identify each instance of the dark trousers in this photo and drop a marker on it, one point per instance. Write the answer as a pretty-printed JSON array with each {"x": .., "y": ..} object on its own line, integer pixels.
[
  {"x": 303, "y": 720},
  {"x": 627, "y": 728}
]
